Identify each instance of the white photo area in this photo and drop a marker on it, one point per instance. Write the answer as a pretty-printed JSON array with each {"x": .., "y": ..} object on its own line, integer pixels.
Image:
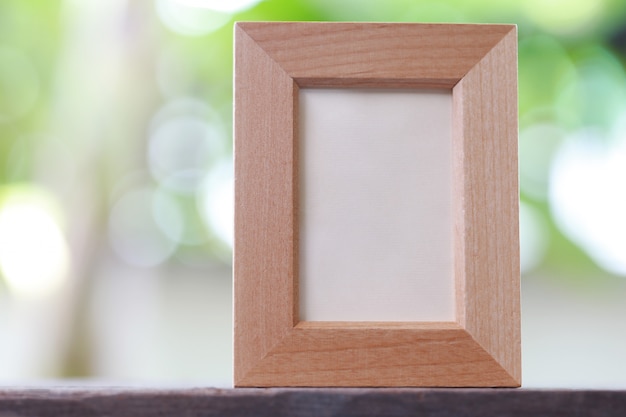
[{"x": 375, "y": 208}]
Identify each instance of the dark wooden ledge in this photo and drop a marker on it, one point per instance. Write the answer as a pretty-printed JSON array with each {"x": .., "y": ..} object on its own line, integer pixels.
[{"x": 206, "y": 402}]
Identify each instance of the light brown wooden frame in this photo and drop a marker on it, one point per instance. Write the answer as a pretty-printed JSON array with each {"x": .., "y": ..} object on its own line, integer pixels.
[{"x": 272, "y": 347}]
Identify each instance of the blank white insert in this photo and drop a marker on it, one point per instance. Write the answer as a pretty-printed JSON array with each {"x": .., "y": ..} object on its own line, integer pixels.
[{"x": 375, "y": 205}]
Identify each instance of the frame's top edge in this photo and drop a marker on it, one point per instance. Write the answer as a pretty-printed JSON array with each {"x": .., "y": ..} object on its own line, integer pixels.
[
  {"x": 403, "y": 54},
  {"x": 255, "y": 23}
]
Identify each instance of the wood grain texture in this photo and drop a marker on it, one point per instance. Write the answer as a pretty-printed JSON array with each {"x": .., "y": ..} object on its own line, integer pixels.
[
  {"x": 338, "y": 402},
  {"x": 264, "y": 266},
  {"x": 378, "y": 356},
  {"x": 485, "y": 106},
  {"x": 274, "y": 60},
  {"x": 375, "y": 54}
]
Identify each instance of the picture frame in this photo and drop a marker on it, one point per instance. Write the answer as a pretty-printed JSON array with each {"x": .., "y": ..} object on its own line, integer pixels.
[{"x": 478, "y": 63}]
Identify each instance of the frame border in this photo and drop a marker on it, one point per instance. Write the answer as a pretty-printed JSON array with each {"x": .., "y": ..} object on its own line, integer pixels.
[{"x": 273, "y": 60}]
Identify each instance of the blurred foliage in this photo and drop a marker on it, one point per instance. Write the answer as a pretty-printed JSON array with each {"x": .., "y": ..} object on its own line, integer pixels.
[{"x": 571, "y": 77}]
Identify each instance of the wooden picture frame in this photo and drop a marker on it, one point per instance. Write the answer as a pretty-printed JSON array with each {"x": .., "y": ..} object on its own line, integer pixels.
[{"x": 478, "y": 63}]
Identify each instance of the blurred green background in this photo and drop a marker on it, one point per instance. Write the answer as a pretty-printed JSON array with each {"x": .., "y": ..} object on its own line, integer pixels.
[{"x": 116, "y": 183}]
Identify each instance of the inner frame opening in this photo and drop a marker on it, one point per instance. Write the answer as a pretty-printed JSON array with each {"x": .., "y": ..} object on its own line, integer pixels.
[{"x": 375, "y": 205}]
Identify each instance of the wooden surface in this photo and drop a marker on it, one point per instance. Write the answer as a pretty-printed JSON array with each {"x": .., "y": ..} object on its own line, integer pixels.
[
  {"x": 275, "y": 402},
  {"x": 265, "y": 205},
  {"x": 375, "y": 54},
  {"x": 381, "y": 354},
  {"x": 272, "y": 348},
  {"x": 487, "y": 229}
]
